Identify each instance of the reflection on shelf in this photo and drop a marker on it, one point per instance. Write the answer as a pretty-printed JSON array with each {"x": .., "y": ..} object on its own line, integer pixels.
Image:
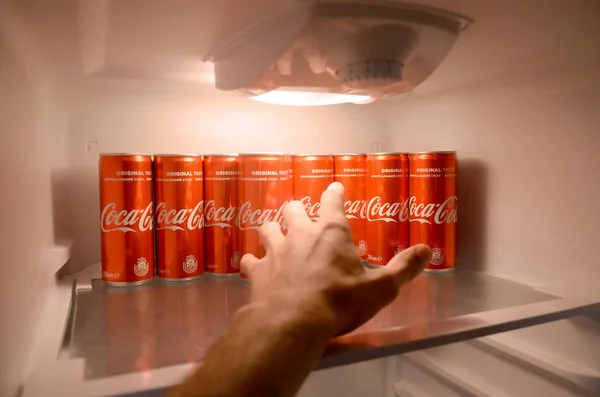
[
  {"x": 120, "y": 330},
  {"x": 132, "y": 329}
]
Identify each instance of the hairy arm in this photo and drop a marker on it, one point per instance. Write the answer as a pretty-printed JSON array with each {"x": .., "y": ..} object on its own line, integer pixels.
[{"x": 269, "y": 350}]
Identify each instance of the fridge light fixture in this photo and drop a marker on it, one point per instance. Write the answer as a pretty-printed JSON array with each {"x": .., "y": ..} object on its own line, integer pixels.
[
  {"x": 326, "y": 49},
  {"x": 305, "y": 98}
]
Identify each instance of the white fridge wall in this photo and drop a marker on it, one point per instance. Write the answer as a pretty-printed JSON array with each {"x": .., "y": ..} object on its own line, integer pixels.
[
  {"x": 528, "y": 151},
  {"x": 519, "y": 98},
  {"x": 33, "y": 116}
]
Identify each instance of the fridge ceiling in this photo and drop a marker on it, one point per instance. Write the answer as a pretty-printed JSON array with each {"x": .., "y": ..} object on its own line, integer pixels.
[
  {"x": 157, "y": 43},
  {"x": 369, "y": 49}
]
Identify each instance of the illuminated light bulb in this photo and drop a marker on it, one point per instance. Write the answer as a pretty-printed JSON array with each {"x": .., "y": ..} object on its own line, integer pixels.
[{"x": 303, "y": 98}]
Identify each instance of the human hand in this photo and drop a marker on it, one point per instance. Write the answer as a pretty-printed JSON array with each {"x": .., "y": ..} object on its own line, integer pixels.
[{"x": 315, "y": 272}]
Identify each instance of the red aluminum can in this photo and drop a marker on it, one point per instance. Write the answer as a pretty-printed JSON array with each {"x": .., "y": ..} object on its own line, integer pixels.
[
  {"x": 387, "y": 192},
  {"x": 313, "y": 173},
  {"x": 350, "y": 171},
  {"x": 179, "y": 216},
  {"x": 290, "y": 176},
  {"x": 433, "y": 206},
  {"x": 263, "y": 193},
  {"x": 221, "y": 234},
  {"x": 126, "y": 218}
]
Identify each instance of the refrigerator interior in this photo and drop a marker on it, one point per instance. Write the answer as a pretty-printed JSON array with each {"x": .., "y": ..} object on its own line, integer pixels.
[{"x": 518, "y": 97}]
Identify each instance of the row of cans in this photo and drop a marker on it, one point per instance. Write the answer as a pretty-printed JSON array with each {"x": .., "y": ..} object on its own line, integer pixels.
[
  {"x": 178, "y": 216},
  {"x": 397, "y": 200}
]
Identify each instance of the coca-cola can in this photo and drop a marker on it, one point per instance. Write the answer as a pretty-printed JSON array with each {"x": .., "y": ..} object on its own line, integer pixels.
[
  {"x": 264, "y": 190},
  {"x": 349, "y": 170},
  {"x": 221, "y": 234},
  {"x": 290, "y": 178},
  {"x": 179, "y": 216},
  {"x": 434, "y": 206},
  {"x": 387, "y": 206},
  {"x": 126, "y": 218},
  {"x": 313, "y": 173}
]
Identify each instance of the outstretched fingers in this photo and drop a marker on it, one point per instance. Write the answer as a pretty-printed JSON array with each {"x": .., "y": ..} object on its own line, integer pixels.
[
  {"x": 295, "y": 215},
  {"x": 408, "y": 264},
  {"x": 248, "y": 264},
  {"x": 270, "y": 235},
  {"x": 403, "y": 268},
  {"x": 332, "y": 203}
]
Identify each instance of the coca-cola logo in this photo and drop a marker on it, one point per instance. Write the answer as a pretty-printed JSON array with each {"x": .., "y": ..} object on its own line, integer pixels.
[
  {"x": 429, "y": 213},
  {"x": 355, "y": 209},
  {"x": 124, "y": 221},
  {"x": 312, "y": 209},
  {"x": 249, "y": 218},
  {"x": 378, "y": 211},
  {"x": 174, "y": 219},
  {"x": 218, "y": 216}
]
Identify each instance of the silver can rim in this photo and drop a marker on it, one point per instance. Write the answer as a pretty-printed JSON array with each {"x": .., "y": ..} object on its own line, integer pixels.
[
  {"x": 387, "y": 153},
  {"x": 124, "y": 154},
  {"x": 177, "y": 155},
  {"x": 178, "y": 280},
  {"x": 436, "y": 152},
  {"x": 221, "y": 155},
  {"x": 313, "y": 154},
  {"x": 122, "y": 284},
  {"x": 221, "y": 275},
  {"x": 262, "y": 154},
  {"x": 444, "y": 270}
]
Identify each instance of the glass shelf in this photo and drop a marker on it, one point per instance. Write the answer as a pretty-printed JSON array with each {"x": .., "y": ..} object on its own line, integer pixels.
[{"x": 126, "y": 330}]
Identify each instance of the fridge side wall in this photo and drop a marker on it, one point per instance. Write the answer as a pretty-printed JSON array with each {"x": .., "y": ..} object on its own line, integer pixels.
[
  {"x": 528, "y": 161},
  {"x": 33, "y": 113},
  {"x": 528, "y": 156}
]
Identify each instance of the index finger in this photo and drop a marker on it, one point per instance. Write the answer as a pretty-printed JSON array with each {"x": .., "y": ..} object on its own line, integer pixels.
[{"x": 332, "y": 202}]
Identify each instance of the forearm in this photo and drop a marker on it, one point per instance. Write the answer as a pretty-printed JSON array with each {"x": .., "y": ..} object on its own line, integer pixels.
[{"x": 269, "y": 350}]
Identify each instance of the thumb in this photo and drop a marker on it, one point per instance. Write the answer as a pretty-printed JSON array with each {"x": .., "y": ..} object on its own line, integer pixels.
[
  {"x": 408, "y": 264},
  {"x": 248, "y": 264}
]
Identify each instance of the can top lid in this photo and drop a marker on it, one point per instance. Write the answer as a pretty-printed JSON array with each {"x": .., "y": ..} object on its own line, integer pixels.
[
  {"x": 436, "y": 152},
  {"x": 263, "y": 154},
  {"x": 178, "y": 155},
  {"x": 124, "y": 154},
  {"x": 348, "y": 154},
  {"x": 385, "y": 153},
  {"x": 312, "y": 154},
  {"x": 222, "y": 155}
]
